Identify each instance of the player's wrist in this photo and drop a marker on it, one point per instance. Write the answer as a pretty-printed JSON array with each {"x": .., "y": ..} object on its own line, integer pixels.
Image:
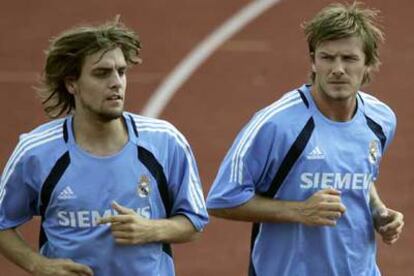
[
  {"x": 168, "y": 230},
  {"x": 35, "y": 263},
  {"x": 296, "y": 212},
  {"x": 289, "y": 211},
  {"x": 378, "y": 209},
  {"x": 157, "y": 230}
]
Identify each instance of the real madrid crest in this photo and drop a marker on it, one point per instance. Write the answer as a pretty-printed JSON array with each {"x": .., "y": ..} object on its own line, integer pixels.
[
  {"x": 144, "y": 187},
  {"x": 373, "y": 152}
]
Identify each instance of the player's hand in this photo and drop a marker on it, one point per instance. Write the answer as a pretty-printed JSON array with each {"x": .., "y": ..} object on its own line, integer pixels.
[
  {"x": 322, "y": 208},
  {"x": 128, "y": 227},
  {"x": 389, "y": 224},
  {"x": 61, "y": 267}
]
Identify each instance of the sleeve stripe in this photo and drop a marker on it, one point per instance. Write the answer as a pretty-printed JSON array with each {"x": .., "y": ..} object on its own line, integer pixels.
[
  {"x": 162, "y": 126},
  {"x": 194, "y": 188},
  {"x": 253, "y": 124},
  {"x": 289, "y": 100},
  {"x": 10, "y": 170},
  {"x": 27, "y": 140}
]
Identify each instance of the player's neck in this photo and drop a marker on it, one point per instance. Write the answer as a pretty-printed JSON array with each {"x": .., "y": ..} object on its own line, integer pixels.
[
  {"x": 339, "y": 110},
  {"x": 98, "y": 137}
]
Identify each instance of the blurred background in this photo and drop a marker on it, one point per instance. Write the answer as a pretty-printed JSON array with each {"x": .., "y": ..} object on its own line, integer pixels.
[{"x": 248, "y": 71}]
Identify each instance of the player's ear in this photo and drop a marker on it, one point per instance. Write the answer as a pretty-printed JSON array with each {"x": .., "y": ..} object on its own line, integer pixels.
[
  {"x": 313, "y": 68},
  {"x": 71, "y": 85},
  {"x": 367, "y": 75},
  {"x": 312, "y": 61}
]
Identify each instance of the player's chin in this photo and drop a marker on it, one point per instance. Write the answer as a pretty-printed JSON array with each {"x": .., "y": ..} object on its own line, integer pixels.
[
  {"x": 342, "y": 95},
  {"x": 112, "y": 114}
]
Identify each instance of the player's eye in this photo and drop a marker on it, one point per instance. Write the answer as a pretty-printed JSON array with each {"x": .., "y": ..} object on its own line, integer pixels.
[
  {"x": 101, "y": 73},
  {"x": 122, "y": 71}
]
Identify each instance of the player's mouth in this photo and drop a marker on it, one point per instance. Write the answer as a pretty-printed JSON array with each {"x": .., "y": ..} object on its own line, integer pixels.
[
  {"x": 338, "y": 82},
  {"x": 115, "y": 97}
]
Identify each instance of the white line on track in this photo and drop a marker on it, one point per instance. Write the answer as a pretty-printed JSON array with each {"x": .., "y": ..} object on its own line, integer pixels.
[{"x": 200, "y": 53}]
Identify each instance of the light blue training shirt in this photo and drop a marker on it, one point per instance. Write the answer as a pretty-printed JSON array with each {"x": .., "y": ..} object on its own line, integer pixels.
[
  {"x": 290, "y": 150},
  {"x": 49, "y": 175}
]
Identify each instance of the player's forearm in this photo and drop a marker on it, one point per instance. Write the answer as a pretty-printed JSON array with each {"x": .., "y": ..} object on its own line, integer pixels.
[
  {"x": 375, "y": 201},
  {"x": 177, "y": 229},
  {"x": 261, "y": 209},
  {"x": 14, "y": 248}
]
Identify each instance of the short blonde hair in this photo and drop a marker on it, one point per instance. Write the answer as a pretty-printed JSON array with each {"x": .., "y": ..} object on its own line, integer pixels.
[{"x": 338, "y": 21}]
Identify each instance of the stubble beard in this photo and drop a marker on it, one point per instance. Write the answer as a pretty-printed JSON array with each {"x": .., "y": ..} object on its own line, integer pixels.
[
  {"x": 335, "y": 95},
  {"x": 109, "y": 115},
  {"x": 103, "y": 115}
]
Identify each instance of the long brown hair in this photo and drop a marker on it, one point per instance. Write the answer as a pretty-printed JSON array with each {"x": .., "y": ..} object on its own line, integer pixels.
[{"x": 66, "y": 54}]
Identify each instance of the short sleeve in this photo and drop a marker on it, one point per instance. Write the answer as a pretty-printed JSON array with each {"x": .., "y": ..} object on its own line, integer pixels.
[
  {"x": 390, "y": 129},
  {"x": 184, "y": 183},
  {"x": 243, "y": 168},
  {"x": 18, "y": 199}
]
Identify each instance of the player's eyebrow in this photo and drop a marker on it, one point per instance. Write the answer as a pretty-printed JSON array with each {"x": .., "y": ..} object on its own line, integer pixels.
[
  {"x": 324, "y": 53},
  {"x": 107, "y": 68}
]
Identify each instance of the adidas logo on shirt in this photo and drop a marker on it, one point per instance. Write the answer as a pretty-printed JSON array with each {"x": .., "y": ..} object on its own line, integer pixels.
[
  {"x": 66, "y": 193},
  {"x": 316, "y": 154}
]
